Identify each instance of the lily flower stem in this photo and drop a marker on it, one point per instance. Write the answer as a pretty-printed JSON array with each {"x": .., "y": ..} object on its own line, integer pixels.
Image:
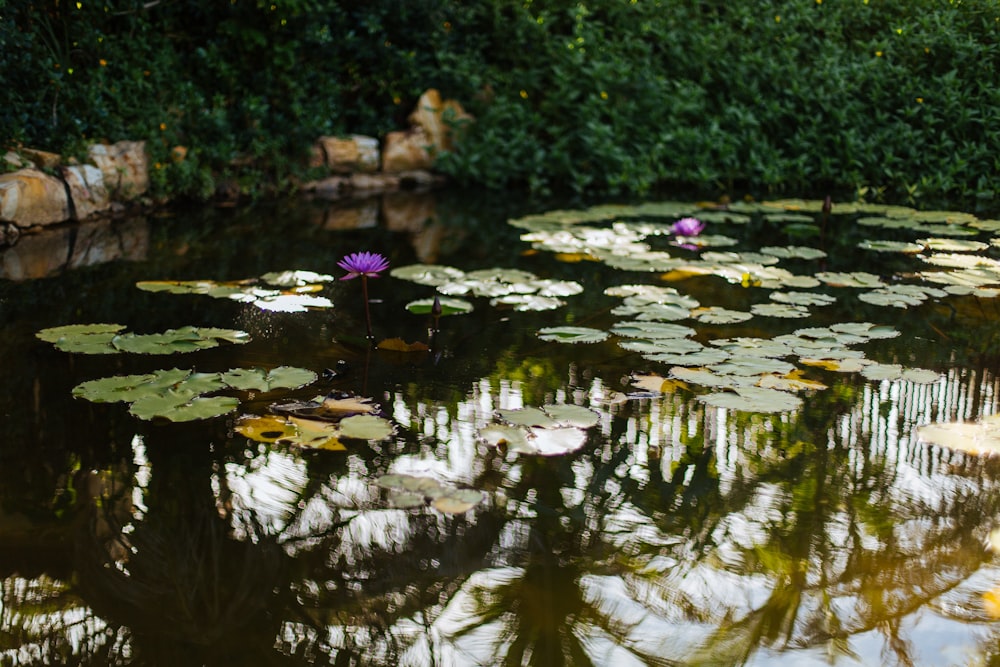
[{"x": 368, "y": 313}]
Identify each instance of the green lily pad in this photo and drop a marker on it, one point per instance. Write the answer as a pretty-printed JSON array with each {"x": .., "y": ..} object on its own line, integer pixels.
[
  {"x": 449, "y": 306},
  {"x": 185, "y": 339},
  {"x": 366, "y": 427},
  {"x": 567, "y": 414},
  {"x": 528, "y": 302},
  {"x": 753, "y": 399},
  {"x": 663, "y": 312},
  {"x": 654, "y": 330},
  {"x": 180, "y": 406},
  {"x": 751, "y": 365},
  {"x": 787, "y": 311},
  {"x": 865, "y": 329},
  {"x": 56, "y": 334},
  {"x": 952, "y": 245},
  {"x": 458, "y": 501},
  {"x": 878, "y": 372},
  {"x": 803, "y": 298},
  {"x": 719, "y": 315},
  {"x": 891, "y": 246},
  {"x": 259, "y": 379},
  {"x": 296, "y": 278},
  {"x": 572, "y": 334},
  {"x": 661, "y": 345},
  {"x": 793, "y": 252},
  {"x": 427, "y": 274},
  {"x": 976, "y": 438},
  {"x": 855, "y": 279},
  {"x": 128, "y": 388},
  {"x": 703, "y": 357}
]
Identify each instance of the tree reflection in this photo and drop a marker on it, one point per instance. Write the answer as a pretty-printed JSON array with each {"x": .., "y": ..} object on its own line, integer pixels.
[{"x": 679, "y": 535}]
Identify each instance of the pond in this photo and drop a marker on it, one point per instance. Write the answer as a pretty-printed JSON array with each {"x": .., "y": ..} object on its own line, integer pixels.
[{"x": 767, "y": 441}]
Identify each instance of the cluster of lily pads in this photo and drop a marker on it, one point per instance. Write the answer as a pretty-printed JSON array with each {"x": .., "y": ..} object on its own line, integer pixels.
[
  {"x": 410, "y": 491},
  {"x": 551, "y": 430},
  {"x": 514, "y": 288},
  {"x": 109, "y": 339},
  {"x": 181, "y": 395},
  {"x": 282, "y": 291},
  {"x": 322, "y": 423}
]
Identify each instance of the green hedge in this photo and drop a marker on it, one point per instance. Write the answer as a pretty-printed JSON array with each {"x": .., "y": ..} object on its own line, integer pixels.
[{"x": 893, "y": 96}]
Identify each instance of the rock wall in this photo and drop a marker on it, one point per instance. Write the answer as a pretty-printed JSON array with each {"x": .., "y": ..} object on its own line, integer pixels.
[{"x": 44, "y": 191}]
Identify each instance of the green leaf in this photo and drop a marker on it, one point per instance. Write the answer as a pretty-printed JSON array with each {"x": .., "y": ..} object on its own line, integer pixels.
[
  {"x": 753, "y": 399},
  {"x": 449, "y": 306},
  {"x": 171, "y": 405},
  {"x": 366, "y": 427},
  {"x": 572, "y": 334},
  {"x": 259, "y": 379}
]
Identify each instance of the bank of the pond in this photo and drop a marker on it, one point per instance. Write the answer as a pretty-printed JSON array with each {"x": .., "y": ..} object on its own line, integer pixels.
[{"x": 47, "y": 189}]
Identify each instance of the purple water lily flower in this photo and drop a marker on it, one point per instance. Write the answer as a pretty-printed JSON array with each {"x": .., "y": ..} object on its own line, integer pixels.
[
  {"x": 688, "y": 227},
  {"x": 364, "y": 264}
]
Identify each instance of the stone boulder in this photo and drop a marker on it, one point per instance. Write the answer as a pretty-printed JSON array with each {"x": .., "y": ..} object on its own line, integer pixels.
[
  {"x": 30, "y": 197},
  {"x": 406, "y": 151},
  {"x": 353, "y": 154},
  {"x": 86, "y": 190},
  {"x": 125, "y": 166},
  {"x": 441, "y": 120}
]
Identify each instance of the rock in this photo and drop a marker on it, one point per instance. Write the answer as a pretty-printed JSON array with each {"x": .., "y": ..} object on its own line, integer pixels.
[
  {"x": 125, "y": 166},
  {"x": 374, "y": 182},
  {"x": 40, "y": 159},
  {"x": 329, "y": 188},
  {"x": 86, "y": 190},
  {"x": 406, "y": 151},
  {"x": 440, "y": 120},
  {"x": 353, "y": 154},
  {"x": 31, "y": 197}
]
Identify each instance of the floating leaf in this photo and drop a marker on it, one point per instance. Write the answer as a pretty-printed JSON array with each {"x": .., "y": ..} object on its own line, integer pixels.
[
  {"x": 259, "y": 379},
  {"x": 891, "y": 246},
  {"x": 788, "y": 311},
  {"x": 55, "y": 334},
  {"x": 528, "y": 302},
  {"x": 803, "y": 298},
  {"x": 366, "y": 427},
  {"x": 855, "y": 279},
  {"x": 703, "y": 357},
  {"x": 661, "y": 345},
  {"x": 789, "y": 382},
  {"x": 793, "y": 252},
  {"x": 952, "y": 245},
  {"x": 921, "y": 376},
  {"x": 427, "y": 274},
  {"x": 978, "y": 438},
  {"x": 173, "y": 406},
  {"x": 458, "y": 501},
  {"x": 567, "y": 414},
  {"x": 128, "y": 388},
  {"x": 296, "y": 278},
  {"x": 718, "y": 315},
  {"x": 572, "y": 334},
  {"x": 876, "y": 371},
  {"x": 449, "y": 306},
  {"x": 641, "y": 329},
  {"x": 265, "y": 429},
  {"x": 753, "y": 399}
]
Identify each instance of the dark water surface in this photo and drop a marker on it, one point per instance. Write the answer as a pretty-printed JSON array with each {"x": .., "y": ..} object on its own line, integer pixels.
[{"x": 679, "y": 534}]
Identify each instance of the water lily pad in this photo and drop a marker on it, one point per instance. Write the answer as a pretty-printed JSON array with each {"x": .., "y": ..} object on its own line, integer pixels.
[
  {"x": 557, "y": 287},
  {"x": 528, "y": 302},
  {"x": 788, "y": 311},
  {"x": 890, "y": 298},
  {"x": 753, "y": 399},
  {"x": 313, "y": 434},
  {"x": 458, "y": 501},
  {"x": 865, "y": 329},
  {"x": 567, "y": 414},
  {"x": 181, "y": 406},
  {"x": 750, "y": 346},
  {"x": 643, "y": 329},
  {"x": 427, "y": 274},
  {"x": 789, "y": 382},
  {"x": 572, "y": 334},
  {"x": 55, "y": 334},
  {"x": 793, "y": 252},
  {"x": 296, "y": 278},
  {"x": 803, "y": 298},
  {"x": 977, "y": 438},
  {"x": 921, "y": 376},
  {"x": 752, "y": 365},
  {"x": 891, "y": 246},
  {"x": 719, "y": 315},
  {"x": 952, "y": 245},
  {"x": 663, "y": 312},
  {"x": 185, "y": 339},
  {"x": 366, "y": 427},
  {"x": 705, "y": 377},
  {"x": 514, "y": 437},
  {"x": 876, "y": 371},
  {"x": 259, "y": 379},
  {"x": 703, "y": 357},
  {"x": 856, "y": 279},
  {"x": 661, "y": 345},
  {"x": 449, "y": 306},
  {"x": 268, "y": 428}
]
